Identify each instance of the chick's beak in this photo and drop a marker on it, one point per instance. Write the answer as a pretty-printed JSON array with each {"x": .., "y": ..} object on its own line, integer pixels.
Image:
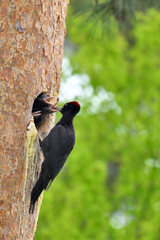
[
  {"x": 47, "y": 100},
  {"x": 35, "y": 114}
]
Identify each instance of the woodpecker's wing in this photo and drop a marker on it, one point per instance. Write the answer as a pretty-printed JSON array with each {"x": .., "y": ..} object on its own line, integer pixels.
[{"x": 56, "y": 147}]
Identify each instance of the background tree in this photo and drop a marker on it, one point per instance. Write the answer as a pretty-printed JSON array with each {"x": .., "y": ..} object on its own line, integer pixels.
[{"x": 31, "y": 41}]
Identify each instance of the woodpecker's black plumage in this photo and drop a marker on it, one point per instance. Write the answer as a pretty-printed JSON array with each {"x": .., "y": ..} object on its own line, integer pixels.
[
  {"x": 56, "y": 148},
  {"x": 42, "y": 107}
]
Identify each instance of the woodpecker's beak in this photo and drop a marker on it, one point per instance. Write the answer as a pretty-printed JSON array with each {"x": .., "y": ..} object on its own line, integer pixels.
[{"x": 57, "y": 109}]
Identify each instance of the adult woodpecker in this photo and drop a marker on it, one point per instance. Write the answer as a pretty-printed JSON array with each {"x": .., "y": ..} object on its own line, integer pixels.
[
  {"x": 56, "y": 148},
  {"x": 42, "y": 107}
]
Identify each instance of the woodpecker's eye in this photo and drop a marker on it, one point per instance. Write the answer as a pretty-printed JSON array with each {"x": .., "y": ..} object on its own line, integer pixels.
[{"x": 65, "y": 105}]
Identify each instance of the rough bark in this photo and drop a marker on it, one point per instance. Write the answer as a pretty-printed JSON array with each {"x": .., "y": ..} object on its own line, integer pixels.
[{"x": 31, "y": 49}]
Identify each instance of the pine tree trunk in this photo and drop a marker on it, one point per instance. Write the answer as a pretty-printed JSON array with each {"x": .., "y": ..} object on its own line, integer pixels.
[{"x": 31, "y": 51}]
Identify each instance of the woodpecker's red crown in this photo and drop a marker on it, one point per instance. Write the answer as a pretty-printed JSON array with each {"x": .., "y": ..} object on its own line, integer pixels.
[{"x": 76, "y": 103}]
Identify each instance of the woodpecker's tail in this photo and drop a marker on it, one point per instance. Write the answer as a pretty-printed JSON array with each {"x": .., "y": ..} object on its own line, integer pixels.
[{"x": 36, "y": 192}]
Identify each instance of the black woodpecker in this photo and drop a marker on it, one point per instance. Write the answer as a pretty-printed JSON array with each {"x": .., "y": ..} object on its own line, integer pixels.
[{"x": 56, "y": 148}]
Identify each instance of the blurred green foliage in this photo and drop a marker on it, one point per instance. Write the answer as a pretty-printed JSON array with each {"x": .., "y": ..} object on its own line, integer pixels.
[
  {"x": 110, "y": 186},
  {"x": 104, "y": 12}
]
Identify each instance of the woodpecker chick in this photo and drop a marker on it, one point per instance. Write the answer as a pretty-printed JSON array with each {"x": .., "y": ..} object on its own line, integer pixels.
[
  {"x": 40, "y": 115},
  {"x": 56, "y": 148},
  {"x": 42, "y": 107}
]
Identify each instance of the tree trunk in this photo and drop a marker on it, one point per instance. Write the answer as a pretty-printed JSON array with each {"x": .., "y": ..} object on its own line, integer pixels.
[{"x": 31, "y": 51}]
